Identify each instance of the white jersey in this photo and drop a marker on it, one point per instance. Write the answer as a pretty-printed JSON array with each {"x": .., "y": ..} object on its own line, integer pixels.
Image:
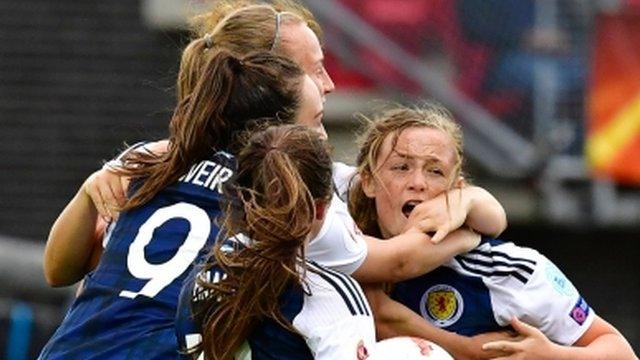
[
  {"x": 343, "y": 176},
  {"x": 339, "y": 244},
  {"x": 330, "y": 313},
  {"x": 336, "y": 318},
  {"x": 482, "y": 290}
]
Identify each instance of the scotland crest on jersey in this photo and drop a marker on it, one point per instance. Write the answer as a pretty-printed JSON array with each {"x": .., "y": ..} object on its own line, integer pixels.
[
  {"x": 442, "y": 305},
  {"x": 481, "y": 291}
]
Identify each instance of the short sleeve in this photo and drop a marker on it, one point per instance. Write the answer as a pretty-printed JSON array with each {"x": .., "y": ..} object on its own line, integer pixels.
[
  {"x": 116, "y": 162},
  {"x": 549, "y": 302},
  {"x": 340, "y": 244},
  {"x": 341, "y": 339},
  {"x": 330, "y": 329},
  {"x": 343, "y": 175}
]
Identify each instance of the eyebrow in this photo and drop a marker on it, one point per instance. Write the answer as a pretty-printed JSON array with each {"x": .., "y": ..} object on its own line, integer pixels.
[{"x": 430, "y": 159}]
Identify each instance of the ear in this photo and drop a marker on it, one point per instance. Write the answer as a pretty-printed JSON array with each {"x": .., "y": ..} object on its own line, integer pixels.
[
  {"x": 460, "y": 182},
  {"x": 368, "y": 185},
  {"x": 321, "y": 209}
]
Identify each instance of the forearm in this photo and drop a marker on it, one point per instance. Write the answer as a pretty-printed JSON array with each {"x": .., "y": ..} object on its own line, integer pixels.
[
  {"x": 600, "y": 341},
  {"x": 394, "y": 319},
  {"x": 410, "y": 254},
  {"x": 71, "y": 241},
  {"x": 606, "y": 347},
  {"x": 485, "y": 215},
  {"x": 398, "y": 320},
  {"x": 415, "y": 260}
]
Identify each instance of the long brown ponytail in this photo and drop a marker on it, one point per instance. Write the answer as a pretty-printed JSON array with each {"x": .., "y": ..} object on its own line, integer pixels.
[
  {"x": 231, "y": 94},
  {"x": 282, "y": 172}
]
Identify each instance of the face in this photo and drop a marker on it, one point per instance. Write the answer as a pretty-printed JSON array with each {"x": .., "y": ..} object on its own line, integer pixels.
[
  {"x": 311, "y": 107},
  {"x": 420, "y": 167},
  {"x": 301, "y": 44}
]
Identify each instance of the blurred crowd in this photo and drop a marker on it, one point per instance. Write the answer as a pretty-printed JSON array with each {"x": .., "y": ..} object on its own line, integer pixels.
[{"x": 526, "y": 61}]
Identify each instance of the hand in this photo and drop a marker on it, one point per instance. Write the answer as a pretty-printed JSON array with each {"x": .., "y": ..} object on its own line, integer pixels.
[
  {"x": 533, "y": 344},
  {"x": 440, "y": 215},
  {"x": 107, "y": 192}
]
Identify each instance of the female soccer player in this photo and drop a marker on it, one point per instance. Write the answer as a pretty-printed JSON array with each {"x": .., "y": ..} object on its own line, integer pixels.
[
  {"x": 260, "y": 294},
  {"x": 412, "y": 155},
  {"x": 127, "y": 305}
]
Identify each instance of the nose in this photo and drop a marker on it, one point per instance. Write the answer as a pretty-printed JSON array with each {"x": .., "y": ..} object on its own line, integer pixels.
[
  {"x": 417, "y": 181},
  {"x": 327, "y": 83}
]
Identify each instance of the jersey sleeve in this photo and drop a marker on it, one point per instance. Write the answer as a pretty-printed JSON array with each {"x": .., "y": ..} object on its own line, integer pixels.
[
  {"x": 340, "y": 340},
  {"x": 117, "y": 163},
  {"x": 340, "y": 244},
  {"x": 549, "y": 302},
  {"x": 332, "y": 328},
  {"x": 343, "y": 175}
]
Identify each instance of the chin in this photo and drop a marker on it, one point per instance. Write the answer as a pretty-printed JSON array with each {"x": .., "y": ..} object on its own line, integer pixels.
[{"x": 389, "y": 232}]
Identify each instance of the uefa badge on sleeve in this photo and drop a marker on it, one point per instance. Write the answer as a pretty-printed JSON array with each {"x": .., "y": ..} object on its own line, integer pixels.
[{"x": 580, "y": 311}]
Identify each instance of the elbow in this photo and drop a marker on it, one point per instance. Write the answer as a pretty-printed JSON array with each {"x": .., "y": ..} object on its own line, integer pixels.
[
  {"x": 501, "y": 224},
  {"x": 404, "y": 270},
  {"x": 58, "y": 276},
  {"x": 410, "y": 264},
  {"x": 55, "y": 278}
]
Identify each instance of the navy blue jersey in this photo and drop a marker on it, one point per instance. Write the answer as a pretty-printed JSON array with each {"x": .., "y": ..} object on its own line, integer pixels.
[
  {"x": 482, "y": 290},
  {"x": 127, "y": 306},
  {"x": 268, "y": 341}
]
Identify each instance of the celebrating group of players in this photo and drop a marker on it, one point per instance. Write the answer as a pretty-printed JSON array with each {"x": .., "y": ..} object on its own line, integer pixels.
[{"x": 233, "y": 238}]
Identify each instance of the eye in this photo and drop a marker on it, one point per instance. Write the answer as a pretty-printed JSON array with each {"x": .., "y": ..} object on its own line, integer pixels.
[
  {"x": 400, "y": 167},
  {"x": 436, "y": 171}
]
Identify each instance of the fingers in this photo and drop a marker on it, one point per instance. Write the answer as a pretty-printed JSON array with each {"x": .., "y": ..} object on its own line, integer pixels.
[
  {"x": 113, "y": 195},
  {"x": 426, "y": 226},
  {"x": 118, "y": 191},
  {"x": 108, "y": 202},
  {"x": 107, "y": 193},
  {"x": 94, "y": 194},
  {"x": 522, "y": 328},
  {"x": 439, "y": 235},
  {"x": 502, "y": 346}
]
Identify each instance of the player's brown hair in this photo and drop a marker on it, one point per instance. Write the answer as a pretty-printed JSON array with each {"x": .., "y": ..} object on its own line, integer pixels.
[
  {"x": 232, "y": 92},
  {"x": 283, "y": 173}
]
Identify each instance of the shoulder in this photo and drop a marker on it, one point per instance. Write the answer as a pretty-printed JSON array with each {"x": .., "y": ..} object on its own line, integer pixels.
[
  {"x": 499, "y": 262},
  {"x": 336, "y": 289},
  {"x": 537, "y": 292},
  {"x": 336, "y": 316},
  {"x": 343, "y": 176},
  {"x": 339, "y": 244}
]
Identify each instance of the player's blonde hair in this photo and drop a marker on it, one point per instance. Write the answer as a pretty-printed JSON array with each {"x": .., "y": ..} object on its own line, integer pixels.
[
  {"x": 283, "y": 172},
  {"x": 391, "y": 122},
  {"x": 241, "y": 26}
]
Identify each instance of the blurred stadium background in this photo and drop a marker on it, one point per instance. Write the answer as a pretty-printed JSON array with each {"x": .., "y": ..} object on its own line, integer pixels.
[{"x": 548, "y": 93}]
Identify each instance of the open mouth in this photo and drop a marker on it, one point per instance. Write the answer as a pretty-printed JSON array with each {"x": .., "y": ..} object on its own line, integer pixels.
[{"x": 408, "y": 207}]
